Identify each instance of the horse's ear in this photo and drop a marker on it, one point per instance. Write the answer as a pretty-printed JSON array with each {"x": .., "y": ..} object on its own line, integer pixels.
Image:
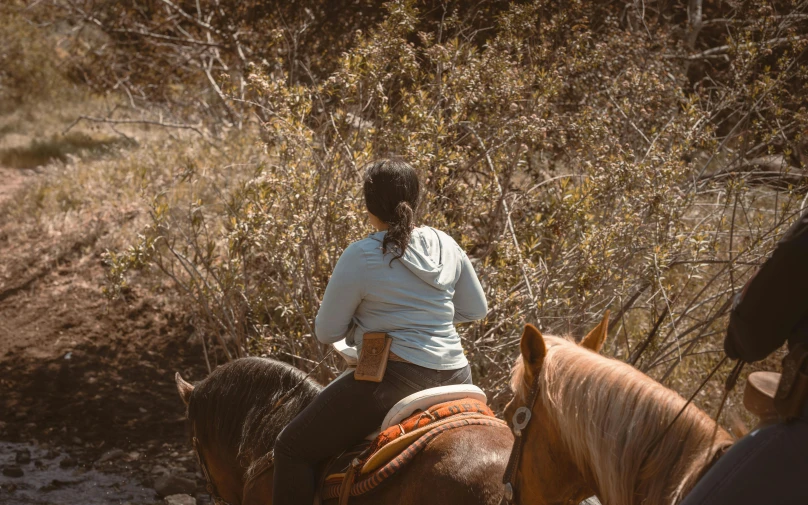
[
  {"x": 597, "y": 336},
  {"x": 184, "y": 389},
  {"x": 532, "y": 345}
]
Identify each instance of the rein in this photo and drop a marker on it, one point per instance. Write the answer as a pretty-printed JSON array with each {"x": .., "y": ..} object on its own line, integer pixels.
[{"x": 519, "y": 428}]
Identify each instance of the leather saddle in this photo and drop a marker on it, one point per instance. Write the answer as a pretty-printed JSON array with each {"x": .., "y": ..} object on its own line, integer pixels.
[
  {"x": 405, "y": 431},
  {"x": 758, "y": 396},
  {"x": 409, "y": 426}
]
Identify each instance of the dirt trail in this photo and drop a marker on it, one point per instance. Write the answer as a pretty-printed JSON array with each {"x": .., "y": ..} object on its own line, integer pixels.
[{"x": 85, "y": 377}]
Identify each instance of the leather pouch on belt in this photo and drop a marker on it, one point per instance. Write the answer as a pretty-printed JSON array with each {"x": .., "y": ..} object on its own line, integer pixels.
[
  {"x": 373, "y": 358},
  {"x": 792, "y": 392}
]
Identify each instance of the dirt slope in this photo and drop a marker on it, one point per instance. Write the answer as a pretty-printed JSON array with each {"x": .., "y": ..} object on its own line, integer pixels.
[{"x": 75, "y": 369}]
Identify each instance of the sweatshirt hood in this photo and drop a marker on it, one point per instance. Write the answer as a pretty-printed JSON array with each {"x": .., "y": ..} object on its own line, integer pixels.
[{"x": 432, "y": 256}]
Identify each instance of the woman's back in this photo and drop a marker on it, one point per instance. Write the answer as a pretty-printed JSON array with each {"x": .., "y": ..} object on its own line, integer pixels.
[
  {"x": 411, "y": 283},
  {"x": 416, "y": 298}
]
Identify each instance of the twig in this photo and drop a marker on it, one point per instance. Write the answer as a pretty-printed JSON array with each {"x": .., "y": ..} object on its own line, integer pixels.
[
  {"x": 168, "y": 38},
  {"x": 626, "y": 306},
  {"x": 187, "y": 16},
  {"x": 620, "y": 110},
  {"x": 727, "y": 48},
  {"x": 641, "y": 348},
  {"x": 510, "y": 225},
  {"x": 205, "y": 351},
  {"x": 133, "y": 121}
]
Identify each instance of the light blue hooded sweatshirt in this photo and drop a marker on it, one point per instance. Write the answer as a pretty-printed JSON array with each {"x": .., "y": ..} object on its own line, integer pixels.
[{"x": 415, "y": 299}]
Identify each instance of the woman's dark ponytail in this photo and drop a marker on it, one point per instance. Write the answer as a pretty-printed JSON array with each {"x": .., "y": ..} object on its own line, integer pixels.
[{"x": 391, "y": 193}]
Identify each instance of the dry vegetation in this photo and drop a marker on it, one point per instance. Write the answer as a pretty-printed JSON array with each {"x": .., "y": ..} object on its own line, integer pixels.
[{"x": 642, "y": 157}]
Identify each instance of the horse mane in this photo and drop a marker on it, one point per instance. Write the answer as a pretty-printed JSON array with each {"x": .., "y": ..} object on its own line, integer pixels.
[
  {"x": 233, "y": 407},
  {"x": 610, "y": 414}
]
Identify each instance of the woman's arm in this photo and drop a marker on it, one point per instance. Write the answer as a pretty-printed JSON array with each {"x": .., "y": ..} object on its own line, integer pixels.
[
  {"x": 343, "y": 294},
  {"x": 774, "y": 301},
  {"x": 469, "y": 299}
]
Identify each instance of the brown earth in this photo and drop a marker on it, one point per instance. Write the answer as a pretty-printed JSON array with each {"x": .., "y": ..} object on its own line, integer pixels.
[{"x": 79, "y": 372}]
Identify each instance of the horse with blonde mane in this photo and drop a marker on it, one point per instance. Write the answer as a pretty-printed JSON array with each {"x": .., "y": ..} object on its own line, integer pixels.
[{"x": 599, "y": 426}]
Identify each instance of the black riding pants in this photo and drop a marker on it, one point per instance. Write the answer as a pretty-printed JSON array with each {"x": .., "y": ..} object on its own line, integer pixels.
[
  {"x": 342, "y": 415},
  {"x": 768, "y": 466}
]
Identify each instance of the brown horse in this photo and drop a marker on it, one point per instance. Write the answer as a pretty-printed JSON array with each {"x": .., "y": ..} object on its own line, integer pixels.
[
  {"x": 599, "y": 426},
  {"x": 235, "y": 423}
]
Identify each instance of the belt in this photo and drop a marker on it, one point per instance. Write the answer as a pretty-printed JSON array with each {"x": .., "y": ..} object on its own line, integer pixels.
[{"x": 394, "y": 357}]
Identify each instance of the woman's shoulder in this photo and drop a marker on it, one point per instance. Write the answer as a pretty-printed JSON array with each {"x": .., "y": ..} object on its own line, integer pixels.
[
  {"x": 444, "y": 238},
  {"x": 365, "y": 245}
]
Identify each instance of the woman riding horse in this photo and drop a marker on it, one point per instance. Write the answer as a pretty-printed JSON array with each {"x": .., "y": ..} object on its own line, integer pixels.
[
  {"x": 597, "y": 425},
  {"x": 412, "y": 283},
  {"x": 770, "y": 465}
]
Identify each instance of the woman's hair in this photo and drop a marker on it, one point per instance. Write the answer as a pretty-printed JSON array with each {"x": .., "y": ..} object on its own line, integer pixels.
[{"x": 391, "y": 194}]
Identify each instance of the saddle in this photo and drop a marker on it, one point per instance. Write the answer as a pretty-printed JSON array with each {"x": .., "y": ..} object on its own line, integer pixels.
[
  {"x": 406, "y": 430},
  {"x": 758, "y": 396}
]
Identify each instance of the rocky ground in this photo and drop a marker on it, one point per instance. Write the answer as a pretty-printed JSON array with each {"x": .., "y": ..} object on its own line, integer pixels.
[{"x": 88, "y": 409}]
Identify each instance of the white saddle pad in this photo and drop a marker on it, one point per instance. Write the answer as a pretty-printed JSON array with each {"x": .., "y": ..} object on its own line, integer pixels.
[{"x": 422, "y": 400}]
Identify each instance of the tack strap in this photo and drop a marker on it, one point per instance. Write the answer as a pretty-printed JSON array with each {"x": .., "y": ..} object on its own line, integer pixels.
[
  {"x": 348, "y": 481},
  {"x": 210, "y": 487},
  {"x": 519, "y": 427}
]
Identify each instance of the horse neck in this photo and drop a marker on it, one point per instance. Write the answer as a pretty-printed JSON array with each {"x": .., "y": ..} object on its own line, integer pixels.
[
  {"x": 242, "y": 407},
  {"x": 282, "y": 417},
  {"x": 620, "y": 443}
]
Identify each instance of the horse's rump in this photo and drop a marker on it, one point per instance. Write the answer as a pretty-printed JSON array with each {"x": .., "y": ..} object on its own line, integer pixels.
[{"x": 398, "y": 445}]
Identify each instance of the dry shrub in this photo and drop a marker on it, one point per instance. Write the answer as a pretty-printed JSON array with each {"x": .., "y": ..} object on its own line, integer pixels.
[{"x": 587, "y": 156}]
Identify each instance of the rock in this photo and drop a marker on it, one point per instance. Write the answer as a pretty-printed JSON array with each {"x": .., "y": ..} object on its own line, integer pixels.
[
  {"x": 187, "y": 475},
  {"x": 67, "y": 462},
  {"x": 180, "y": 499},
  {"x": 59, "y": 484},
  {"x": 159, "y": 470},
  {"x": 167, "y": 485},
  {"x": 13, "y": 471},
  {"x": 204, "y": 499},
  {"x": 22, "y": 457},
  {"x": 110, "y": 455},
  {"x": 153, "y": 449}
]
